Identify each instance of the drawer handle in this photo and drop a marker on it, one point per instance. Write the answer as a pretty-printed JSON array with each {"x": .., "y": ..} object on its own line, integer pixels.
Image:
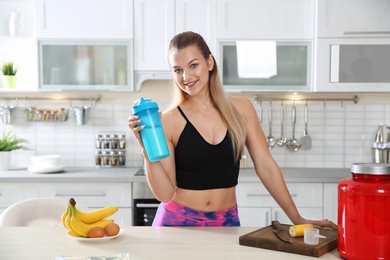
[
  {"x": 367, "y": 32},
  {"x": 79, "y": 195},
  {"x": 258, "y": 195},
  {"x": 265, "y": 195},
  {"x": 146, "y": 205}
]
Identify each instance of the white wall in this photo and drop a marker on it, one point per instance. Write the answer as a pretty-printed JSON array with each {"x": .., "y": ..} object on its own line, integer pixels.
[{"x": 341, "y": 133}]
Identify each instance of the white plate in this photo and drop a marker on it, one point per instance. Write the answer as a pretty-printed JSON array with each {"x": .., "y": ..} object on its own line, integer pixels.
[
  {"x": 100, "y": 239},
  {"x": 45, "y": 169}
]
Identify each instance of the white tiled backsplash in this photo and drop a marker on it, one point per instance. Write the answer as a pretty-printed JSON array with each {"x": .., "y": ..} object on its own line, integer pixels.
[{"x": 341, "y": 134}]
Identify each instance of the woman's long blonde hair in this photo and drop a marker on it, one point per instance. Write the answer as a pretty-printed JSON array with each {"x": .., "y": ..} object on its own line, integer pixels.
[{"x": 223, "y": 103}]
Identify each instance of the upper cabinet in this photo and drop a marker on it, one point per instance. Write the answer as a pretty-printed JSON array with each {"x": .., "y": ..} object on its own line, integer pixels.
[
  {"x": 157, "y": 21},
  {"x": 353, "y": 18},
  {"x": 265, "y": 19},
  {"x": 84, "y": 19}
]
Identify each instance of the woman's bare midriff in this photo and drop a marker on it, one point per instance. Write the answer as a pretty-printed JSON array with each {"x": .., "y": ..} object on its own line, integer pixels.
[{"x": 206, "y": 200}]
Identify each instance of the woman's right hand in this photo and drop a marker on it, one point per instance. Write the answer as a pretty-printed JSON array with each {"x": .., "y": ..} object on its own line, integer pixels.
[{"x": 133, "y": 123}]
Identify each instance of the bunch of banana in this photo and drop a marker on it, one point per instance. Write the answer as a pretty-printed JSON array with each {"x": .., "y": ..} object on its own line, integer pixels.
[{"x": 79, "y": 223}]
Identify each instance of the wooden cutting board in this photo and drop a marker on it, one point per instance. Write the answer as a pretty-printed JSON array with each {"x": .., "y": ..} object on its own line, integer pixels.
[{"x": 267, "y": 239}]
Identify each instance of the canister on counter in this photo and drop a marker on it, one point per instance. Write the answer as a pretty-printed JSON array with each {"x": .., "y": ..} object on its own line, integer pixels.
[{"x": 364, "y": 212}]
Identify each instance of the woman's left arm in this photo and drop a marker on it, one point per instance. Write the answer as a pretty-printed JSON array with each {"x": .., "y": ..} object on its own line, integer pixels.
[{"x": 266, "y": 167}]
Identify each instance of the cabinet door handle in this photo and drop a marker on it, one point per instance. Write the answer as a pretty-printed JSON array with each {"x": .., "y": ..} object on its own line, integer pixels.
[
  {"x": 146, "y": 205},
  {"x": 258, "y": 195},
  {"x": 265, "y": 195},
  {"x": 366, "y": 32},
  {"x": 80, "y": 195}
]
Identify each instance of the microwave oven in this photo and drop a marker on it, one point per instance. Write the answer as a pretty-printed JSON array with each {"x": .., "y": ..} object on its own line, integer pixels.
[
  {"x": 272, "y": 66},
  {"x": 352, "y": 65}
]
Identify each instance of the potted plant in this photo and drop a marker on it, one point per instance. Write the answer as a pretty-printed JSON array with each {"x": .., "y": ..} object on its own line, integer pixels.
[
  {"x": 8, "y": 143},
  {"x": 9, "y": 74}
]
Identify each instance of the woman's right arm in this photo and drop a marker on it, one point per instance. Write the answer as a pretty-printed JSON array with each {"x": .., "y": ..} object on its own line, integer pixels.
[{"x": 160, "y": 175}]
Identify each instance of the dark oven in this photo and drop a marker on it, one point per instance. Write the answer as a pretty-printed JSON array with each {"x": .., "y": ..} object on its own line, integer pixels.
[
  {"x": 145, "y": 204},
  {"x": 144, "y": 211}
]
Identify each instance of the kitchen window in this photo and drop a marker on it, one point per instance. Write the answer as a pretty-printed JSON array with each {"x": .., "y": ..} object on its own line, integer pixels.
[
  {"x": 85, "y": 65},
  {"x": 277, "y": 66}
]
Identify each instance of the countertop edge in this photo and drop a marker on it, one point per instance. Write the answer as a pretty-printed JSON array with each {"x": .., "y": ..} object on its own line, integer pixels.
[{"x": 135, "y": 174}]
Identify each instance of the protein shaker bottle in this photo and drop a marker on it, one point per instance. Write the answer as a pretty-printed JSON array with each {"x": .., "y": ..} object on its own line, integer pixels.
[{"x": 152, "y": 135}]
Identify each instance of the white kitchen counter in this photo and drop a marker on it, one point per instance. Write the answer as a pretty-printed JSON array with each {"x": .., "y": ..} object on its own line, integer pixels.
[
  {"x": 310, "y": 175},
  {"x": 44, "y": 243}
]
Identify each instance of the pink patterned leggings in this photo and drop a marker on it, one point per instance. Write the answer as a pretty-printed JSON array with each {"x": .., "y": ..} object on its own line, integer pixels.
[{"x": 174, "y": 214}]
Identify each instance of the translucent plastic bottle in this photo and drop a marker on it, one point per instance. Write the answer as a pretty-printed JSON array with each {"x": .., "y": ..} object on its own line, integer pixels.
[{"x": 153, "y": 134}]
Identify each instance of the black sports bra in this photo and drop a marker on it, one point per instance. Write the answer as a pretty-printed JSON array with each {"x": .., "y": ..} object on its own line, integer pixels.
[{"x": 201, "y": 165}]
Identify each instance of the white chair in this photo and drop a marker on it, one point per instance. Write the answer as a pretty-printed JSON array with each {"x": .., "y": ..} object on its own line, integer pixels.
[{"x": 34, "y": 212}]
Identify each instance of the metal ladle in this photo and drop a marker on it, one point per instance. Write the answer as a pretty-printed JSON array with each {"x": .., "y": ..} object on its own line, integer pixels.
[
  {"x": 282, "y": 139},
  {"x": 270, "y": 139},
  {"x": 293, "y": 144}
]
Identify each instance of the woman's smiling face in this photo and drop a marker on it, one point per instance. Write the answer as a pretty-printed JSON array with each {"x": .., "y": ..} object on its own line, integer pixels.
[{"x": 190, "y": 69}]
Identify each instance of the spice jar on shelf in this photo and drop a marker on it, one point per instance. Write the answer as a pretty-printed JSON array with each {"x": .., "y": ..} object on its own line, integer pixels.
[
  {"x": 121, "y": 158},
  {"x": 106, "y": 158},
  {"x": 98, "y": 141},
  {"x": 98, "y": 158},
  {"x": 114, "y": 158},
  {"x": 106, "y": 141},
  {"x": 114, "y": 141},
  {"x": 122, "y": 141}
]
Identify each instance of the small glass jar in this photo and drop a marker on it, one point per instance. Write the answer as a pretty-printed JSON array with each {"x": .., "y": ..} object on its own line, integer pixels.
[
  {"x": 31, "y": 114},
  {"x": 122, "y": 141},
  {"x": 114, "y": 141},
  {"x": 121, "y": 158},
  {"x": 106, "y": 158},
  {"x": 106, "y": 141},
  {"x": 98, "y": 158},
  {"x": 98, "y": 141},
  {"x": 114, "y": 158}
]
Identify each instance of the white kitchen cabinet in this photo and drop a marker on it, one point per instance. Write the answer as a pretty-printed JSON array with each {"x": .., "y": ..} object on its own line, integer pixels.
[
  {"x": 258, "y": 208},
  {"x": 157, "y": 21},
  {"x": 265, "y": 19},
  {"x": 331, "y": 201},
  {"x": 92, "y": 195},
  {"x": 25, "y": 9},
  {"x": 153, "y": 28},
  {"x": 112, "y": 19},
  {"x": 353, "y": 18}
]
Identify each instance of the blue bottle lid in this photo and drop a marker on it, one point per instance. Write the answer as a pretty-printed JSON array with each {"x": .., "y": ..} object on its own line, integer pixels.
[{"x": 143, "y": 104}]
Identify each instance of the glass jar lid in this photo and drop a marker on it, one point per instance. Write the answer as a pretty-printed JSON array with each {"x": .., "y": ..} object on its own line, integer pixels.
[{"x": 371, "y": 168}]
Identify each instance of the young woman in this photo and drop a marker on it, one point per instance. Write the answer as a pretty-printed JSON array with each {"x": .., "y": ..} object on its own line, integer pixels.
[{"x": 207, "y": 131}]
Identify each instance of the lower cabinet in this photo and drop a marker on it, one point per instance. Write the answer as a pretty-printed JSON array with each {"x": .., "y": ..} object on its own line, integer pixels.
[
  {"x": 89, "y": 196},
  {"x": 331, "y": 201},
  {"x": 257, "y": 208}
]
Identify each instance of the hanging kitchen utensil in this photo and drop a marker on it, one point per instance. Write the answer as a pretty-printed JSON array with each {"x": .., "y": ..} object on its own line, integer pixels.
[
  {"x": 6, "y": 114},
  {"x": 306, "y": 138},
  {"x": 282, "y": 139},
  {"x": 270, "y": 139},
  {"x": 79, "y": 113},
  {"x": 293, "y": 144},
  {"x": 260, "y": 113}
]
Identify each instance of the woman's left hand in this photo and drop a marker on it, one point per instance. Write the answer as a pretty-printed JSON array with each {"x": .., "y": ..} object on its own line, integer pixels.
[{"x": 324, "y": 223}]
